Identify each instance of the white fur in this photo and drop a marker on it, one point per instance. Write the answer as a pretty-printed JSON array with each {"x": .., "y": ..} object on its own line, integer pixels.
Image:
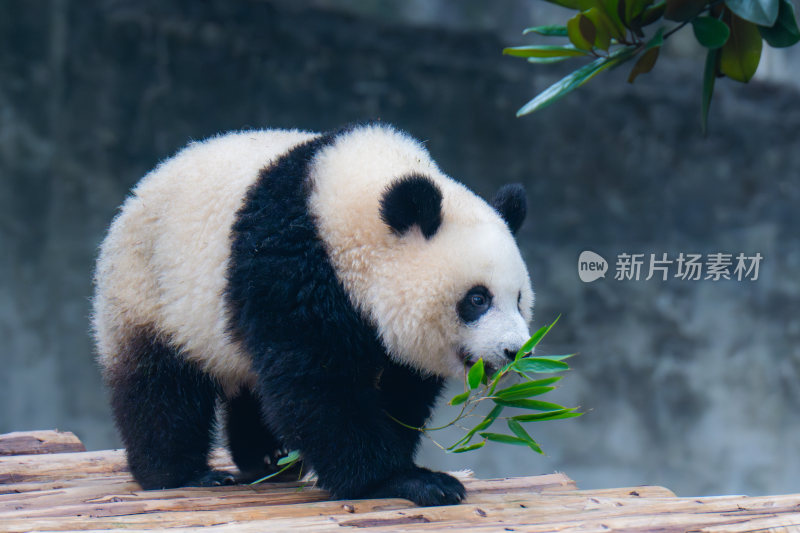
[
  {"x": 409, "y": 286},
  {"x": 164, "y": 261}
]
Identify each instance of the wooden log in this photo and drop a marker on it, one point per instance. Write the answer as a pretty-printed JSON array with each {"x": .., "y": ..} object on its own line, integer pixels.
[
  {"x": 38, "y": 442},
  {"x": 491, "y": 507}
]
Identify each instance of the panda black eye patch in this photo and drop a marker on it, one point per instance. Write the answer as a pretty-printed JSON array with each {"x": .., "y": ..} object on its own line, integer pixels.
[{"x": 474, "y": 304}]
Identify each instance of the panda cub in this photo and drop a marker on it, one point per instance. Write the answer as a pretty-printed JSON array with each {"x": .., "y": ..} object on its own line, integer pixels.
[{"x": 313, "y": 284}]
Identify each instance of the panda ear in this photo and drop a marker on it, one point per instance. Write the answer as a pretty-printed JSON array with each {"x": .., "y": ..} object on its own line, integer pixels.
[
  {"x": 412, "y": 200},
  {"x": 511, "y": 203}
]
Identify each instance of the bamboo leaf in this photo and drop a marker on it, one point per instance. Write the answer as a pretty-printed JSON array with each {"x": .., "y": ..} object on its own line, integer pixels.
[
  {"x": 475, "y": 375},
  {"x": 520, "y": 432},
  {"x": 539, "y": 365},
  {"x": 533, "y": 405},
  {"x": 469, "y": 448},
  {"x": 761, "y": 12},
  {"x": 548, "y": 415},
  {"x": 524, "y": 391},
  {"x": 505, "y": 439},
  {"x": 555, "y": 357},
  {"x": 536, "y": 337},
  {"x": 483, "y": 424},
  {"x": 293, "y": 456},
  {"x": 458, "y": 399}
]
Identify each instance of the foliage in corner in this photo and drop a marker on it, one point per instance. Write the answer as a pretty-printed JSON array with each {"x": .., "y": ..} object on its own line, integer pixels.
[{"x": 612, "y": 32}]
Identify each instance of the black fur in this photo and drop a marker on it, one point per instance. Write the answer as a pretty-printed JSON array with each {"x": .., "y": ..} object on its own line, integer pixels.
[
  {"x": 254, "y": 448},
  {"x": 412, "y": 200},
  {"x": 512, "y": 204},
  {"x": 325, "y": 381},
  {"x": 164, "y": 409},
  {"x": 467, "y": 308}
]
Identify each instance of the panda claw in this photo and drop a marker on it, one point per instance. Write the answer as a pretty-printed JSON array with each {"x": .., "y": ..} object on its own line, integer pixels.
[
  {"x": 423, "y": 487},
  {"x": 213, "y": 478}
]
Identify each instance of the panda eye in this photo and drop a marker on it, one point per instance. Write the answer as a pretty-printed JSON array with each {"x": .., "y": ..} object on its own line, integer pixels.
[{"x": 474, "y": 304}]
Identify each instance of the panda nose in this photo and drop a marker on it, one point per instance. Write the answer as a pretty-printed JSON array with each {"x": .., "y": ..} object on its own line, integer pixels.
[{"x": 510, "y": 354}]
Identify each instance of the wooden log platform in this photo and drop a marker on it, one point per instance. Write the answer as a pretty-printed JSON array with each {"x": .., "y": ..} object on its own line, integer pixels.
[{"x": 48, "y": 484}]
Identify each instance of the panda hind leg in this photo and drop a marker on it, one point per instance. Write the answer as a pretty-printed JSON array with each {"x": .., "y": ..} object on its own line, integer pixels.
[
  {"x": 164, "y": 409},
  {"x": 254, "y": 447}
]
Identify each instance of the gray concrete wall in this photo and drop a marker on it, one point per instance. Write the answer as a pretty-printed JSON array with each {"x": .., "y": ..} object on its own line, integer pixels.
[{"x": 689, "y": 384}]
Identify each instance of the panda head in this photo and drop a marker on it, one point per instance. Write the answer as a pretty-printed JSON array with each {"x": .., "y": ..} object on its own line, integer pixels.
[
  {"x": 432, "y": 266},
  {"x": 485, "y": 297}
]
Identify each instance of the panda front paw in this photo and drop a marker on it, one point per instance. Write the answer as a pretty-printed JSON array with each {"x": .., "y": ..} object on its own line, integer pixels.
[
  {"x": 212, "y": 478},
  {"x": 423, "y": 487}
]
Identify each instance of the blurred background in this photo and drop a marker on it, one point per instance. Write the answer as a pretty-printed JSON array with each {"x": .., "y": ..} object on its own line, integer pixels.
[{"x": 694, "y": 385}]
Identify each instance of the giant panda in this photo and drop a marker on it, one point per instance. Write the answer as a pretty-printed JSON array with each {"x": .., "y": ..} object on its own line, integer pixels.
[{"x": 306, "y": 286}]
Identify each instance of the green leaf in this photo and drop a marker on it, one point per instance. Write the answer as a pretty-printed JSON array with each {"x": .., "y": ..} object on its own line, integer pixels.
[
  {"x": 740, "y": 56},
  {"x": 293, "y": 456},
  {"x": 569, "y": 4},
  {"x": 653, "y": 13},
  {"x": 634, "y": 9},
  {"x": 548, "y": 415},
  {"x": 655, "y": 41},
  {"x": 542, "y": 331},
  {"x": 469, "y": 448},
  {"x": 581, "y": 32},
  {"x": 475, "y": 375},
  {"x": 710, "y": 32},
  {"x": 483, "y": 424},
  {"x": 644, "y": 64},
  {"x": 524, "y": 391},
  {"x": 785, "y": 31},
  {"x": 683, "y": 10},
  {"x": 539, "y": 365},
  {"x": 547, "y": 31},
  {"x": 572, "y": 81},
  {"x": 505, "y": 439},
  {"x": 546, "y": 60},
  {"x": 709, "y": 77},
  {"x": 535, "y": 383},
  {"x": 615, "y": 25},
  {"x": 543, "y": 51},
  {"x": 761, "y": 12},
  {"x": 604, "y": 28},
  {"x": 555, "y": 357},
  {"x": 458, "y": 399},
  {"x": 533, "y": 405},
  {"x": 520, "y": 432}
]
